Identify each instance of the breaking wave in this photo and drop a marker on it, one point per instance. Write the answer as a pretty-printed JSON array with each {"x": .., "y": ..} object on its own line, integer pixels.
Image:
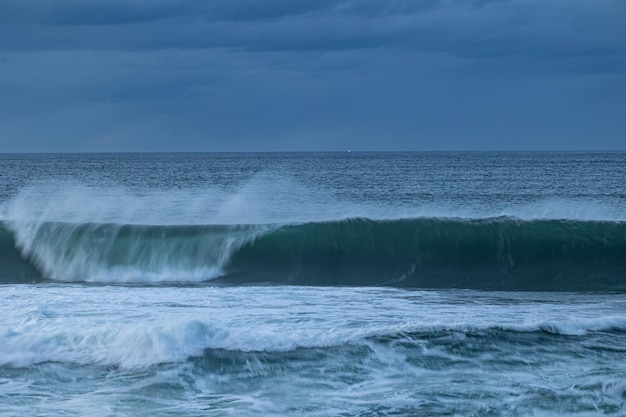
[{"x": 501, "y": 253}]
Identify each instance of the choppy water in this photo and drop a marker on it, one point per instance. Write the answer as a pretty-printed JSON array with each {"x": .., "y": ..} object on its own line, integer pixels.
[{"x": 369, "y": 284}]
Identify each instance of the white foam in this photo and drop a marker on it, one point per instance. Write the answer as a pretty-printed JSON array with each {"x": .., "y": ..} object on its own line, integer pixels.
[
  {"x": 573, "y": 326},
  {"x": 136, "y": 327}
]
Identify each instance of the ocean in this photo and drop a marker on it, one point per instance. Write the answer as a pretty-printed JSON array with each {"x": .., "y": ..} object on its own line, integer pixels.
[{"x": 313, "y": 284}]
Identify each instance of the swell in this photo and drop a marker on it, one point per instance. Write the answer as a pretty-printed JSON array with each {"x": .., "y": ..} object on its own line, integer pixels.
[{"x": 498, "y": 253}]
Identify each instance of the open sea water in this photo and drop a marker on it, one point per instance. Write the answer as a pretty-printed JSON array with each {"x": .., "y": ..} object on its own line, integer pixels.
[{"x": 305, "y": 284}]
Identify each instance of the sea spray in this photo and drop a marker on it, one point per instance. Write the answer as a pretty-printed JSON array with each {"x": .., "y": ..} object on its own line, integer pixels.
[{"x": 117, "y": 253}]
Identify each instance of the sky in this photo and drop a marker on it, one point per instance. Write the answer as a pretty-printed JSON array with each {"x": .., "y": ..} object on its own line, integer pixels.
[{"x": 304, "y": 75}]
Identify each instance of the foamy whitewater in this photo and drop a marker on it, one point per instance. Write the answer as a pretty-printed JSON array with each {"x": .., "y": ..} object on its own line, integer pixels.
[{"x": 369, "y": 284}]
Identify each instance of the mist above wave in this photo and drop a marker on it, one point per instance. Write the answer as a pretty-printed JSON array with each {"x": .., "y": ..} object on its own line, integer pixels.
[{"x": 266, "y": 198}]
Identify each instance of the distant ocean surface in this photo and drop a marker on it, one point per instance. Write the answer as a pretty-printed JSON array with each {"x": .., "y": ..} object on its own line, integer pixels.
[{"x": 313, "y": 284}]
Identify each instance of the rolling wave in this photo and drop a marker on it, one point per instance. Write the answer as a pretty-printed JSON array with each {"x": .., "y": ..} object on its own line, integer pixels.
[
  {"x": 498, "y": 253},
  {"x": 140, "y": 345}
]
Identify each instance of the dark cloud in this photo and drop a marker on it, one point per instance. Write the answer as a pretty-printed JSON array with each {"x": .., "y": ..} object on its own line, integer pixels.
[
  {"x": 97, "y": 12},
  {"x": 250, "y": 75},
  {"x": 471, "y": 29},
  {"x": 119, "y": 12}
]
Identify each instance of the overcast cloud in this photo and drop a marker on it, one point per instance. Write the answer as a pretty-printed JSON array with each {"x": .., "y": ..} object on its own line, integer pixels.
[{"x": 227, "y": 75}]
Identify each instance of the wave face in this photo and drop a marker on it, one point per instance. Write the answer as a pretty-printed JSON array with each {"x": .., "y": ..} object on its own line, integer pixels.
[
  {"x": 497, "y": 253},
  {"x": 441, "y": 253},
  {"x": 13, "y": 267}
]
